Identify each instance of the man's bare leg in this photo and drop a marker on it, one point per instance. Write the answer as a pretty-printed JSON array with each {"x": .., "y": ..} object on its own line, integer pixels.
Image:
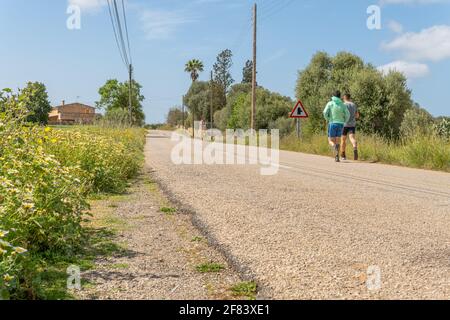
[
  {"x": 355, "y": 145},
  {"x": 343, "y": 146}
]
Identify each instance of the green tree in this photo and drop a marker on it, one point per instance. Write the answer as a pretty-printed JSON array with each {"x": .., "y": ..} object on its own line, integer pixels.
[
  {"x": 271, "y": 106},
  {"x": 247, "y": 72},
  {"x": 175, "y": 117},
  {"x": 222, "y": 76},
  {"x": 234, "y": 93},
  {"x": 35, "y": 97},
  {"x": 314, "y": 88},
  {"x": 194, "y": 67},
  {"x": 115, "y": 95},
  {"x": 116, "y": 117},
  {"x": 198, "y": 100},
  {"x": 222, "y": 69},
  {"x": 416, "y": 121},
  {"x": 382, "y": 99}
]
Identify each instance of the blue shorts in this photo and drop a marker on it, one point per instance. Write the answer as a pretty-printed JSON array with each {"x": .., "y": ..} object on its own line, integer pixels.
[{"x": 335, "y": 130}]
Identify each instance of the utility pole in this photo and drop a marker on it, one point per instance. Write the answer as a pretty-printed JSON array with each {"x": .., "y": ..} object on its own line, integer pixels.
[
  {"x": 130, "y": 85},
  {"x": 182, "y": 112},
  {"x": 211, "y": 86},
  {"x": 255, "y": 17}
]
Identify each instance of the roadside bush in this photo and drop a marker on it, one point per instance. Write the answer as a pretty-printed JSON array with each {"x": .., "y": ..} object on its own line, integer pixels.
[
  {"x": 41, "y": 201},
  {"x": 46, "y": 176},
  {"x": 416, "y": 121},
  {"x": 442, "y": 128},
  {"x": 285, "y": 125},
  {"x": 108, "y": 157}
]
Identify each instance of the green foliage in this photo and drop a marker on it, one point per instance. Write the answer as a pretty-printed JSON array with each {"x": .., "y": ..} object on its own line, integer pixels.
[
  {"x": 221, "y": 70},
  {"x": 271, "y": 106},
  {"x": 382, "y": 99},
  {"x": 222, "y": 78},
  {"x": 108, "y": 157},
  {"x": 115, "y": 118},
  {"x": 442, "y": 128},
  {"x": 175, "y": 117},
  {"x": 114, "y": 95},
  {"x": 285, "y": 125},
  {"x": 41, "y": 201},
  {"x": 247, "y": 72},
  {"x": 198, "y": 100},
  {"x": 245, "y": 289},
  {"x": 45, "y": 179},
  {"x": 194, "y": 67},
  {"x": 168, "y": 210},
  {"x": 416, "y": 121},
  {"x": 209, "y": 267},
  {"x": 221, "y": 119},
  {"x": 35, "y": 98}
]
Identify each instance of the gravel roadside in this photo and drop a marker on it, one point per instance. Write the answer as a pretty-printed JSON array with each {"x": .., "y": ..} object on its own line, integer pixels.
[{"x": 160, "y": 252}]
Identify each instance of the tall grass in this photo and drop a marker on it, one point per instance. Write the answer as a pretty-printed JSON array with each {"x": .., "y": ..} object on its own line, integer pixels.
[{"x": 426, "y": 152}]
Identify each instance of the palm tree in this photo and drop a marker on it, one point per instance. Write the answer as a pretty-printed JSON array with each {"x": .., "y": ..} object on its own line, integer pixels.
[{"x": 194, "y": 66}]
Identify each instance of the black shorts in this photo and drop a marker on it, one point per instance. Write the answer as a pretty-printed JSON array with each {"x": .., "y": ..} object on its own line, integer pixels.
[{"x": 349, "y": 130}]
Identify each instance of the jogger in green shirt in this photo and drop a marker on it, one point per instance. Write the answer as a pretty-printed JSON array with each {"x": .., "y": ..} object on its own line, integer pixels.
[{"x": 336, "y": 113}]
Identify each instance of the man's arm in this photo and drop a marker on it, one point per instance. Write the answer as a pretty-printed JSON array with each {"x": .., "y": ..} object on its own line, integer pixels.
[
  {"x": 347, "y": 114},
  {"x": 326, "y": 112}
]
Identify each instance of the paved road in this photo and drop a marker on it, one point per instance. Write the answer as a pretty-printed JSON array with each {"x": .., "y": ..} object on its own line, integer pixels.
[{"x": 318, "y": 229}]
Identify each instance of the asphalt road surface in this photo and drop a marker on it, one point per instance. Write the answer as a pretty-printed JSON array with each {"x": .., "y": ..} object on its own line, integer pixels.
[{"x": 318, "y": 229}]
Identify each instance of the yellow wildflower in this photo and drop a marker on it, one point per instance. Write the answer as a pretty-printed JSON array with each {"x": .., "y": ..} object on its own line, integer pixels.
[
  {"x": 7, "y": 278},
  {"x": 20, "y": 250}
]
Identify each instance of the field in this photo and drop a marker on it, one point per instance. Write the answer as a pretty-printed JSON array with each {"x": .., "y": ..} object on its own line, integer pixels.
[{"x": 47, "y": 177}]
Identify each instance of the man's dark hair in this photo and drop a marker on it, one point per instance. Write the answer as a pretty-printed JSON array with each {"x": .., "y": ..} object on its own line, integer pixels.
[
  {"x": 348, "y": 96},
  {"x": 337, "y": 94}
]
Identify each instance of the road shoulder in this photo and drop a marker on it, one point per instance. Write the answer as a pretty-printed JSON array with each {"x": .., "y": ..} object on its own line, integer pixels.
[{"x": 159, "y": 254}]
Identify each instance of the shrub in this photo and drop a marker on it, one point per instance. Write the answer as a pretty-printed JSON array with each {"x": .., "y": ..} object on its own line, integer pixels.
[
  {"x": 285, "y": 125},
  {"x": 107, "y": 156},
  {"x": 416, "y": 121},
  {"x": 41, "y": 201},
  {"x": 46, "y": 176},
  {"x": 442, "y": 128}
]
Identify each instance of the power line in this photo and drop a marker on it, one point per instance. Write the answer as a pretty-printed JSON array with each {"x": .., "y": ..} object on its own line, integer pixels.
[
  {"x": 276, "y": 9},
  {"x": 119, "y": 24},
  {"x": 115, "y": 31},
  {"x": 123, "y": 43},
  {"x": 126, "y": 30},
  {"x": 124, "y": 49}
]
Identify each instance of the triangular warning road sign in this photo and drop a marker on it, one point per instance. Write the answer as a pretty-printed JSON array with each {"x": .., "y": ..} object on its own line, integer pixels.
[{"x": 299, "y": 111}]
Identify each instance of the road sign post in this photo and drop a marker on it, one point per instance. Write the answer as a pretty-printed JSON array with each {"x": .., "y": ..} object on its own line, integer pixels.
[{"x": 299, "y": 112}]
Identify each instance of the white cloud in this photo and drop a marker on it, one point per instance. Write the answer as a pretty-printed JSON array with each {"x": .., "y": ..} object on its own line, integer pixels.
[
  {"x": 410, "y": 69},
  {"x": 160, "y": 24},
  {"x": 395, "y": 26},
  {"x": 431, "y": 44},
  {"x": 88, "y": 5}
]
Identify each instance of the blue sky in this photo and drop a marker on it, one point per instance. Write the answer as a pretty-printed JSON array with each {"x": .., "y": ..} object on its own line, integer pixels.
[{"x": 164, "y": 34}]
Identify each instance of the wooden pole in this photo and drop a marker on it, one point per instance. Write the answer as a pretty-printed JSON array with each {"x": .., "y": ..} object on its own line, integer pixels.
[
  {"x": 255, "y": 17},
  {"x": 211, "y": 102}
]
